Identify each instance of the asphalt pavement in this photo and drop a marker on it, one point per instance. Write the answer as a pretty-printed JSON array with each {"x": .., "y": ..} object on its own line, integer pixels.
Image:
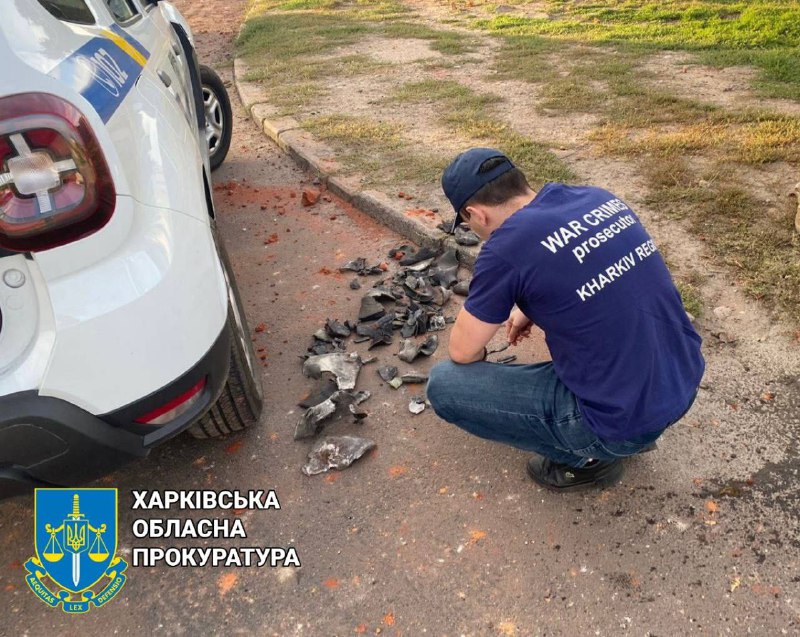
[{"x": 434, "y": 532}]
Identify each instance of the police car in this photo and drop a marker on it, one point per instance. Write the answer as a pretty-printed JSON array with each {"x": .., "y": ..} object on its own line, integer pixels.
[{"x": 120, "y": 322}]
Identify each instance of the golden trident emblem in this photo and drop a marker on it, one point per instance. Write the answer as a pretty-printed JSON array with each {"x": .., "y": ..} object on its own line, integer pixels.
[{"x": 75, "y": 530}]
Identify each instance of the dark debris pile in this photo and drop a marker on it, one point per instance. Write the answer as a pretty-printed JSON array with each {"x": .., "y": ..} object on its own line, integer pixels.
[{"x": 409, "y": 301}]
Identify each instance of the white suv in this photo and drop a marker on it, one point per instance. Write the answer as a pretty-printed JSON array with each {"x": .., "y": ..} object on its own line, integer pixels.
[{"x": 120, "y": 324}]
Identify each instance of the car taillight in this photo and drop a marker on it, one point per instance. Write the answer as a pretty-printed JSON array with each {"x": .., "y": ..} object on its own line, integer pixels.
[
  {"x": 55, "y": 186},
  {"x": 169, "y": 411}
]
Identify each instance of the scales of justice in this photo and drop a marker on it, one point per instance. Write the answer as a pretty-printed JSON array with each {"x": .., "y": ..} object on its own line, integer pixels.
[{"x": 75, "y": 530}]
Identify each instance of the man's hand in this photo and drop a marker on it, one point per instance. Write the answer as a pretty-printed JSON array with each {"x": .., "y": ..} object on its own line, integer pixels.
[{"x": 518, "y": 327}]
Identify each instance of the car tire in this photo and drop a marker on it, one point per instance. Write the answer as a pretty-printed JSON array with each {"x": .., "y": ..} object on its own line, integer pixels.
[
  {"x": 242, "y": 398},
  {"x": 218, "y": 116}
]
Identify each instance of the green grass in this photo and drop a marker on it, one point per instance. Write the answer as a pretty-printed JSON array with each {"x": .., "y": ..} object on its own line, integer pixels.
[
  {"x": 749, "y": 138},
  {"x": 472, "y": 116},
  {"x": 356, "y": 132},
  {"x": 667, "y": 24},
  {"x": 377, "y": 151},
  {"x": 691, "y": 297},
  {"x": 762, "y": 33},
  {"x": 759, "y": 247}
]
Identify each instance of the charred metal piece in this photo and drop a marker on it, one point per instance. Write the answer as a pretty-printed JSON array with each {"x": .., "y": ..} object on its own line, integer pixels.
[
  {"x": 379, "y": 332},
  {"x": 416, "y": 323},
  {"x": 419, "y": 255},
  {"x": 387, "y": 372},
  {"x": 499, "y": 348},
  {"x": 445, "y": 269},
  {"x": 436, "y": 323},
  {"x": 410, "y": 350},
  {"x": 418, "y": 288},
  {"x": 344, "y": 367},
  {"x": 355, "y": 284},
  {"x": 337, "y": 329},
  {"x": 322, "y": 335},
  {"x": 422, "y": 265},
  {"x": 312, "y": 421},
  {"x": 356, "y": 265},
  {"x": 441, "y": 295},
  {"x": 360, "y": 266},
  {"x": 412, "y": 378},
  {"x": 380, "y": 293},
  {"x": 319, "y": 348},
  {"x": 323, "y": 390},
  {"x": 430, "y": 345},
  {"x": 371, "y": 309},
  {"x": 336, "y": 452},
  {"x": 462, "y": 288},
  {"x": 466, "y": 237}
]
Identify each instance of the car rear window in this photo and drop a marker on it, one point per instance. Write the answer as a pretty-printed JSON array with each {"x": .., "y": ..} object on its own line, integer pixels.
[{"x": 69, "y": 10}]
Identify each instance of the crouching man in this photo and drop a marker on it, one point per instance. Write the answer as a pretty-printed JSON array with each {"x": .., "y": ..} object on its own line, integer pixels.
[{"x": 577, "y": 262}]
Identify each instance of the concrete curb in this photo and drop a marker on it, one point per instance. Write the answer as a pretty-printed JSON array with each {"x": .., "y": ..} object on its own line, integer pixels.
[{"x": 315, "y": 156}]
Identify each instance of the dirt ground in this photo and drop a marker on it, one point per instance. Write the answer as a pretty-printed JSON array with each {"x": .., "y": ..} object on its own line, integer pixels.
[{"x": 436, "y": 532}]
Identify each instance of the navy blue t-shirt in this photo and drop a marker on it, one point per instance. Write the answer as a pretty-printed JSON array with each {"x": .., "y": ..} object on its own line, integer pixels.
[{"x": 578, "y": 262}]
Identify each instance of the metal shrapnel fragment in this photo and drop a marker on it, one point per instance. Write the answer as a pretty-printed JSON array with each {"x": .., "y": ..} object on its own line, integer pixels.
[
  {"x": 421, "y": 255},
  {"x": 466, "y": 237},
  {"x": 324, "y": 389},
  {"x": 396, "y": 382},
  {"x": 322, "y": 335},
  {"x": 336, "y": 452},
  {"x": 445, "y": 269},
  {"x": 344, "y": 367},
  {"x": 410, "y": 350},
  {"x": 462, "y": 288},
  {"x": 371, "y": 309},
  {"x": 387, "y": 372},
  {"x": 411, "y": 378},
  {"x": 312, "y": 421},
  {"x": 380, "y": 332},
  {"x": 417, "y": 405},
  {"x": 356, "y": 265},
  {"x": 436, "y": 323},
  {"x": 358, "y": 413},
  {"x": 337, "y": 329},
  {"x": 499, "y": 348},
  {"x": 441, "y": 295},
  {"x": 505, "y": 360}
]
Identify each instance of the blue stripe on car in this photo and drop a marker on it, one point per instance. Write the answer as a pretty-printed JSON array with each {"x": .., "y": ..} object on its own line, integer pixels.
[{"x": 101, "y": 72}]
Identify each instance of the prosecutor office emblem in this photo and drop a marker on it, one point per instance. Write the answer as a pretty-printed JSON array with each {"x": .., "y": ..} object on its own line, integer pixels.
[{"x": 75, "y": 536}]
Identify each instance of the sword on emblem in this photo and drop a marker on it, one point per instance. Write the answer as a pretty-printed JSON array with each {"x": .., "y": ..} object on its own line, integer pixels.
[{"x": 76, "y": 538}]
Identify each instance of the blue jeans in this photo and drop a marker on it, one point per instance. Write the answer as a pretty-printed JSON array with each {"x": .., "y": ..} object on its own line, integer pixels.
[{"x": 525, "y": 406}]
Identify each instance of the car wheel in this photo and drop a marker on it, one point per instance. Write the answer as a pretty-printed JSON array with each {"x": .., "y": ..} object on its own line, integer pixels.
[
  {"x": 242, "y": 398},
  {"x": 218, "y": 116}
]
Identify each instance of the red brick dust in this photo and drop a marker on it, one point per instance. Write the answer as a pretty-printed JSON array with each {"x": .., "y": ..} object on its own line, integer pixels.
[
  {"x": 269, "y": 198},
  {"x": 428, "y": 217}
]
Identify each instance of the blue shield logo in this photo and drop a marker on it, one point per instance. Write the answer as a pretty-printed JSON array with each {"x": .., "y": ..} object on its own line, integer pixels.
[{"x": 76, "y": 544}]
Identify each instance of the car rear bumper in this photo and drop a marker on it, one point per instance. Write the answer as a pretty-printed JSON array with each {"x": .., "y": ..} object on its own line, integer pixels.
[{"x": 47, "y": 441}]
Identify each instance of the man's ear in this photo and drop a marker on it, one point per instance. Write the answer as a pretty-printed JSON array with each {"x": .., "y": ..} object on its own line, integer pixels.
[{"x": 478, "y": 213}]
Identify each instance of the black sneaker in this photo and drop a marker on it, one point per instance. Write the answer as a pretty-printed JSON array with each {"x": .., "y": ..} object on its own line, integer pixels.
[{"x": 561, "y": 477}]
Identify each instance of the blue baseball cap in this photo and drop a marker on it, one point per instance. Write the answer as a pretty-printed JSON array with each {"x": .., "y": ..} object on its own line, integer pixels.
[{"x": 462, "y": 178}]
